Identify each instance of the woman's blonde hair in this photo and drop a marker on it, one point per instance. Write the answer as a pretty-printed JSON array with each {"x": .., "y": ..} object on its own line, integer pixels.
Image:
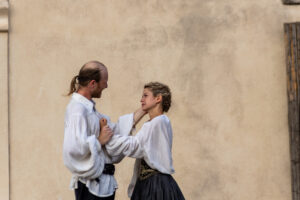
[{"x": 163, "y": 90}]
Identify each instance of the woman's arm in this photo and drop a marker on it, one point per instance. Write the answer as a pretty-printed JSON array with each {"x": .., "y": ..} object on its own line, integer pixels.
[
  {"x": 131, "y": 146},
  {"x": 138, "y": 115},
  {"x": 124, "y": 145}
]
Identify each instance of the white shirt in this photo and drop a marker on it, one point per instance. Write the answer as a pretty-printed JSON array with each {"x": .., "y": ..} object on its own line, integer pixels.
[
  {"x": 83, "y": 155},
  {"x": 153, "y": 143}
]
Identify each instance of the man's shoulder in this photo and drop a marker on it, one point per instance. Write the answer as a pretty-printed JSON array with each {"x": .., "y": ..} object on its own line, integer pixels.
[{"x": 75, "y": 108}]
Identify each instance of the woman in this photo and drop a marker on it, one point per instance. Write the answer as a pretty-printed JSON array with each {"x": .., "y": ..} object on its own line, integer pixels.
[{"x": 152, "y": 148}]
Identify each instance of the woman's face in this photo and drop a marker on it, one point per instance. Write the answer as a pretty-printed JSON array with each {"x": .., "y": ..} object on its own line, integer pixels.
[{"x": 148, "y": 101}]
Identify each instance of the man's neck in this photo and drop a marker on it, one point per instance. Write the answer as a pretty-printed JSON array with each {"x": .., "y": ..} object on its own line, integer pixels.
[{"x": 85, "y": 93}]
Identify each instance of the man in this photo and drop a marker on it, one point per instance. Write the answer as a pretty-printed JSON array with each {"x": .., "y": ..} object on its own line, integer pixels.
[{"x": 83, "y": 151}]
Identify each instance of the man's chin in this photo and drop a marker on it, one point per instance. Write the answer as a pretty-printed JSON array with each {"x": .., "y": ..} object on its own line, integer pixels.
[{"x": 97, "y": 96}]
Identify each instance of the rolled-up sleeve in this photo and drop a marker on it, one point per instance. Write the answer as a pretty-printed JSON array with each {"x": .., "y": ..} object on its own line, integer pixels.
[{"x": 82, "y": 152}]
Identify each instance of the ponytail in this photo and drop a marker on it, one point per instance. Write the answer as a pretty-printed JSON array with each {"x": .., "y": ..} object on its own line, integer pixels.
[
  {"x": 88, "y": 72},
  {"x": 73, "y": 85}
]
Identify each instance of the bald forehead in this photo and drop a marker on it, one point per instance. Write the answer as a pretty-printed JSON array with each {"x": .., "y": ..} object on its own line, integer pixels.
[{"x": 94, "y": 65}]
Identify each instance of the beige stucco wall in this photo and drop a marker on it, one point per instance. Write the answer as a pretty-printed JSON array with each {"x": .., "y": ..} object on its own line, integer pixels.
[
  {"x": 224, "y": 61},
  {"x": 4, "y": 153},
  {"x": 4, "y": 112}
]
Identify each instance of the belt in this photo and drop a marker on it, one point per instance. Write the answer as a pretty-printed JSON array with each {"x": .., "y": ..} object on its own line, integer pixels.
[
  {"x": 146, "y": 171},
  {"x": 108, "y": 169}
]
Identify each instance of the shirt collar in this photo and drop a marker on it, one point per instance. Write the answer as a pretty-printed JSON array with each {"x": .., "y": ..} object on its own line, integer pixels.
[{"x": 89, "y": 104}]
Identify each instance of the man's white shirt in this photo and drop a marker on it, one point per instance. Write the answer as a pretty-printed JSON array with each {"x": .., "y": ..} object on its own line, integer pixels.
[{"x": 83, "y": 154}]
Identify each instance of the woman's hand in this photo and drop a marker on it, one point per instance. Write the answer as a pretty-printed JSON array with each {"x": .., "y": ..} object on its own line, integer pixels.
[
  {"x": 138, "y": 115},
  {"x": 105, "y": 132}
]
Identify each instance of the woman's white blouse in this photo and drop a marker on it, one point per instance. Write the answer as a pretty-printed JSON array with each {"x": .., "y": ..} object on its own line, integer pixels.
[
  {"x": 82, "y": 152},
  {"x": 153, "y": 143}
]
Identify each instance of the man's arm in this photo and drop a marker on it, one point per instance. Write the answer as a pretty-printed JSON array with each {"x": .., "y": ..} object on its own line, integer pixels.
[{"x": 82, "y": 151}]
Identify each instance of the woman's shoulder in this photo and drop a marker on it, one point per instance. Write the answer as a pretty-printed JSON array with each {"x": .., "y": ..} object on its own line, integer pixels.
[{"x": 161, "y": 119}]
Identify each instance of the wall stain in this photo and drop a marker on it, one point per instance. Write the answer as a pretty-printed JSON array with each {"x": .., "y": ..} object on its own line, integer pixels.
[{"x": 146, "y": 38}]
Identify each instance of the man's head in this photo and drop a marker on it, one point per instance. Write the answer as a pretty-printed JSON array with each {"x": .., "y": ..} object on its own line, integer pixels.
[{"x": 91, "y": 80}]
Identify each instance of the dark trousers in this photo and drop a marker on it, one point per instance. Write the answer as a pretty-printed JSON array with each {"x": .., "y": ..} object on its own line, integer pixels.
[{"x": 82, "y": 193}]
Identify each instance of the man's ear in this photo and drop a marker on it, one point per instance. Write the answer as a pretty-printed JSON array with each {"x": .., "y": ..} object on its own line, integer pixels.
[{"x": 92, "y": 83}]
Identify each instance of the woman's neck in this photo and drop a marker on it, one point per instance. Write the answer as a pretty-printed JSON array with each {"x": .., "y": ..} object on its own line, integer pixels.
[{"x": 155, "y": 112}]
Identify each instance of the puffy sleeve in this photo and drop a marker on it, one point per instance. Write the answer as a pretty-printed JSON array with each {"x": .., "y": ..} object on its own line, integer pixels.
[
  {"x": 82, "y": 151},
  {"x": 124, "y": 146},
  {"x": 123, "y": 127},
  {"x": 153, "y": 143}
]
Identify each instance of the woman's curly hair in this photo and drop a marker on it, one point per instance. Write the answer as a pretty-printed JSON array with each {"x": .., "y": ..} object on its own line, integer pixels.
[{"x": 163, "y": 90}]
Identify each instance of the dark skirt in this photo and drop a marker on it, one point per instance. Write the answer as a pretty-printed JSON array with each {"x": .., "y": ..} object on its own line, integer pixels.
[{"x": 157, "y": 187}]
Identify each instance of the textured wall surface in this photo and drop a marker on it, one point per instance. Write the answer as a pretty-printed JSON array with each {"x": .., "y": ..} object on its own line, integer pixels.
[
  {"x": 4, "y": 127},
  {"x": 4, "y": 154},
  {"x": 224, "y": 61}
]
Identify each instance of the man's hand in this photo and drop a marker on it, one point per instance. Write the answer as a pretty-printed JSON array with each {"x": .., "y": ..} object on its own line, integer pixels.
[
  {"x": 105, "y": 132},
  {"x": 138, "y": 115}
]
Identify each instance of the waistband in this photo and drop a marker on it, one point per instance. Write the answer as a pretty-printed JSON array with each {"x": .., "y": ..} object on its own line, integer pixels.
[
  {"x": 108, "y": 169},
  {"x": 146, "y": 171}
]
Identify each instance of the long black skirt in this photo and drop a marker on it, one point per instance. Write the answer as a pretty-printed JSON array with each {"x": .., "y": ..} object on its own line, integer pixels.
[{"x": 157, "y": 187}]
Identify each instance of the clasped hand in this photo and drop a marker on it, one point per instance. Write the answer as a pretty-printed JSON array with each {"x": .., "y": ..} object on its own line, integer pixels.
[{"x": 105, "y": 132}]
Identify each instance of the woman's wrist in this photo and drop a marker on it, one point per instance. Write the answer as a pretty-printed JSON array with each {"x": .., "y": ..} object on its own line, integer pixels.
[{"x": 138, "y": 115}]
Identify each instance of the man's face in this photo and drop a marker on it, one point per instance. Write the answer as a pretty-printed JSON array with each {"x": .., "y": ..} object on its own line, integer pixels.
[{"x": 101, "y": 85}]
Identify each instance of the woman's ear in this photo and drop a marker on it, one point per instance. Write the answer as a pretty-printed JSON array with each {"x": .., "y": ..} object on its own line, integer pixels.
[{"x": 158, "y": 98}]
